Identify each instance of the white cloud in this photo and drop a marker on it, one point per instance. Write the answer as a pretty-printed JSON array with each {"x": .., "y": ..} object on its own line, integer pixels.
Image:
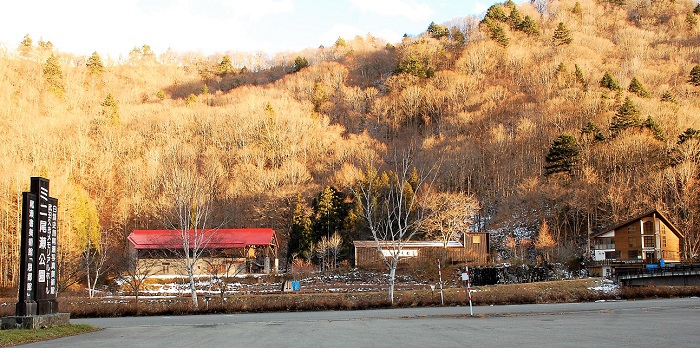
[{"x": 396, "y": 8}]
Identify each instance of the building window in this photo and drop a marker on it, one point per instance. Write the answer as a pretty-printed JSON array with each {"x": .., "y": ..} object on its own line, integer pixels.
[
  {"x": 633, "y": 241},
  {"x": 649, "y": 241},
  {"x": 663, "y": 241},
  {"x": 633, "y": 254},
  {"x": 476, "y": 239},
  {"x": 612, "y": 255},
  {"x": 648, "y": 228}
]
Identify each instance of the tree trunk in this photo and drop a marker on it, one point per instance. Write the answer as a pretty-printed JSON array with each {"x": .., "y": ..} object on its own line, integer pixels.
[
  {"x": 392, "y": 276},
  {"x": 193, "y": 288}
]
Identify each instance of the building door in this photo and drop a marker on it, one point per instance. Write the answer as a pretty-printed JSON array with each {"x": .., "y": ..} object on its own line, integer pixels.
[{"x": 650, "y": 257}]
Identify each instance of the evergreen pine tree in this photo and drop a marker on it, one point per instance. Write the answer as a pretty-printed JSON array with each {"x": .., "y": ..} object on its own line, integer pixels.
[
  {"x": 498, "y": 34},
  {"x": 591, "y": 130},
  {"x": 563, "y": 155},
  {"x": 655, "y": 128},
  {"x": 457, "y": 36},
  {"x": 579, "y": 76},
  {"x": 561, "y": 69},
  {"x": 340, "y": 42},
  {"x": 300, "y": 233},
  {"x": 626, "y": 116},
  {"x": 438, "y": 31},
  {"x": 94, "y": 64},
  {"x": 54, "y": 75},
  {"x": 609, "y": 82},
  {"x": 668, "y": 97},
  {"x": 562, "y": 35},
  {"x": 695, "y": 76},
  {"x": 637, "y": 88},
  {"x": 515, "y": 20},
  {"x": 529, "y": 27},
  {"x": 299, "y": 63},
  {"x": 496, "y": 13},
  {"x": 110, "y": 109},
  {"x": 577, "y": 9},
  {"x": 225, "y": 66}
]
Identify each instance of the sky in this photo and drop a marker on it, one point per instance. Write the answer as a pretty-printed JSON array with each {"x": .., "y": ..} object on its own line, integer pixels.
[{"x": 114, "y": 27}]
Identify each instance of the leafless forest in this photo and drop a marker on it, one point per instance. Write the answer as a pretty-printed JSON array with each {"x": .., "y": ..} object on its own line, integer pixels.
[{"x": 491, "y": 102}]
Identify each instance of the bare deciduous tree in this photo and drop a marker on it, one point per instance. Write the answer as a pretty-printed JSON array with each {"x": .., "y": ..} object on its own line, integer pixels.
[
  {"x": 450, "y": 216},
  {"x": 136, "y": 272},
  {"x": 189, "y": 191},
  {"x": 393, "y": 204}
]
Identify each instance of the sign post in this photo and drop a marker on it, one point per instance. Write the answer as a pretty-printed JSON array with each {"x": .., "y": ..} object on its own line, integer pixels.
[
  {"x": 37, "y": 306},
  {"x": 465, "y": 277}
]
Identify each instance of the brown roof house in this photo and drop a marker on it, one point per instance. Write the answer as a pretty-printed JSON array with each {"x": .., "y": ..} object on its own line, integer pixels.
[
  {"x": 473, "y": 248},
  {"x": 646, "y": 239}
]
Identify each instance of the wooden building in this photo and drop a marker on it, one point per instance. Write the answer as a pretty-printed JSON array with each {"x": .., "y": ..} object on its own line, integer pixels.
[
  {"x": 473, "y": 249},
  {"x": 226, "y": 251},
  {"x": 644, "y": 239}
]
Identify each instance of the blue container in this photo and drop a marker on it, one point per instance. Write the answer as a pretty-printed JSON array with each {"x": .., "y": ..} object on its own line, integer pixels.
[
  {"x": 295, "y": 285},
  {"x": 662, "y": 263}
]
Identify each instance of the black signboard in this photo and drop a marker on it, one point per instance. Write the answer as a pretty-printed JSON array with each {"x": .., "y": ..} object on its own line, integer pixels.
[
  {"x": 26, "y": 305},
  {"x": 37, "y": 291}
]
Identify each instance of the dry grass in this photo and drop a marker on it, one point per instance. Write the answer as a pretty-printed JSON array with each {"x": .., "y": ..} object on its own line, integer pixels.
[{"x": 582, "y": 290}]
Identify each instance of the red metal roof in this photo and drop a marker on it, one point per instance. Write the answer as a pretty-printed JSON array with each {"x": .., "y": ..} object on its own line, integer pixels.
[{"x": 223, "y": 238}]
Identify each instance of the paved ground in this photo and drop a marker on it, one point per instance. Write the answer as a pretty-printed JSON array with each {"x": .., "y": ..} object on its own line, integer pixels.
[{"x": 650, "y": 323}]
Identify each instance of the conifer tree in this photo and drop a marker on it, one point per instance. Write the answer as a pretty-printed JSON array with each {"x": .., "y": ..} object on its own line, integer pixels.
[
  {"x": 609, "y": 82},
  {"x": 637, "y": 88},
  {"x": 496, "y": 13},
  {"x": 528, "y": 26},
  {"x": 515, "y": 20},
  {"x": 696, "y": 10},
  {"x": 592, "y": 130},
  {"x": 498, "y": 34},
  {"x": 54, "y": 75},
  {"x": 695, "y": 76},
  {"x": 300, "y": 233},
  {"x": 562, "y": 35},
  {"x": 299, "y": 63},
  {"x": 340, "y": 42},
  {"x": 577, "y": 9},
  {"x": 457, "y": 36},
  {"x": 579, "y": 76},
  {"x": 655, "y": 128},
  {"x": 110, "y": 109},
  {"x": 437, "y": 31},
  {"x": 668, "y": 97},
  {"x": 626, "y": 116},
  {"x": 563, "y": 155},
  {"x": 225, "y": 66},
  {"x": 94, "y": 64}
]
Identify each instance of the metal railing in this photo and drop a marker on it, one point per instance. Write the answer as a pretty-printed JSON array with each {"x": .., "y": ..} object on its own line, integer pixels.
[{"x": 653, "y": 270}]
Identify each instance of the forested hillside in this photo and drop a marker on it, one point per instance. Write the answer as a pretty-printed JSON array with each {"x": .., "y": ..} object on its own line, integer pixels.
[{"x": 567, "y": 114}]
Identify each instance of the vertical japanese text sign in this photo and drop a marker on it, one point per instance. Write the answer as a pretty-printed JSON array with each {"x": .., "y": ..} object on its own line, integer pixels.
[{"x": 37, "y": 293}]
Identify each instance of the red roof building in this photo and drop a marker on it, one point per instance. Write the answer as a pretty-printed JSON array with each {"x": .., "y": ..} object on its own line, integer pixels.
[
  {"x": 253, "y": 249},
  {"x": 224, "y": 238}
]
